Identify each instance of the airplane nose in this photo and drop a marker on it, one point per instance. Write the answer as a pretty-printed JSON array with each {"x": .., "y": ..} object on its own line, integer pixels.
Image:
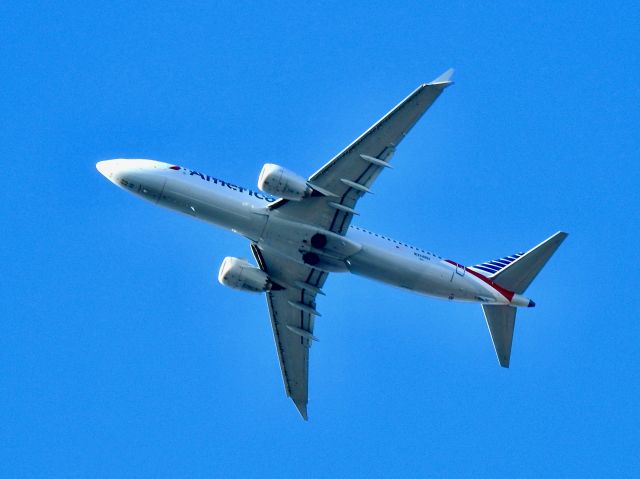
[
  {"x": 143, "y": 177},
  {"x": 107, "y": 168}
]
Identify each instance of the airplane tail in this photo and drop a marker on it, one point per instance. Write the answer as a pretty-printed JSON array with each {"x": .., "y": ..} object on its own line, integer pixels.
[{"x": 514, "y": 273}]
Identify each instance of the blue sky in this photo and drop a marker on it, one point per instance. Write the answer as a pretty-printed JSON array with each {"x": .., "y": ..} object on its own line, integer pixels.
[{"x": 121, "y": 355}]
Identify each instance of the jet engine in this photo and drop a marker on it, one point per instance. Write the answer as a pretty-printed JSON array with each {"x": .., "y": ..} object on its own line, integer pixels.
[
  {"x": 240, "y": 274},
  {"x": 279, "y": 181}
]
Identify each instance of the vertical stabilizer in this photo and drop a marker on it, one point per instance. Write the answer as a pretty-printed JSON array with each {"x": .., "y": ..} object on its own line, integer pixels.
[{"x": 501, "y": 321}]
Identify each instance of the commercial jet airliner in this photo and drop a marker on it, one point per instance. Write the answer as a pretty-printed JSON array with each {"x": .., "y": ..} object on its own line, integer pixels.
[{"x": 300, "y": 231}]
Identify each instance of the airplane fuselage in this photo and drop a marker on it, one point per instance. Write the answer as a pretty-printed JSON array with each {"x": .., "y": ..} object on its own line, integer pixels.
[{"x": 245, "y": 211}]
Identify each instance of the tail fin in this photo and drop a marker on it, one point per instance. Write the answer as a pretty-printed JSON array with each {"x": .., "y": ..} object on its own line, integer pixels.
[{"x": 514, "y": 273}]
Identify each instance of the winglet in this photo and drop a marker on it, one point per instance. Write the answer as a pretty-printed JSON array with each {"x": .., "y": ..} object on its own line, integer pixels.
[
  {"x": 444, "y": 79},
  {"x": 302, "y": 409}
]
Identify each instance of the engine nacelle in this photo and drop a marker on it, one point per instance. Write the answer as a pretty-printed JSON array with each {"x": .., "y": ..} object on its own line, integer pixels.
[
  {"x": 240, "y": 274},
  {"x": 279, "y": 181}
]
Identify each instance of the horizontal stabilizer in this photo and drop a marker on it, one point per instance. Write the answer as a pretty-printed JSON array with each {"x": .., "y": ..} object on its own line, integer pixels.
[
  {"x": 519, "y": 274},
  {"x": 501, "y": 321}
]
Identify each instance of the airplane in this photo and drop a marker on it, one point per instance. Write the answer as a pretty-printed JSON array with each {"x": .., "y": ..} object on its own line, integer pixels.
[{"x": 300, "y": 231}]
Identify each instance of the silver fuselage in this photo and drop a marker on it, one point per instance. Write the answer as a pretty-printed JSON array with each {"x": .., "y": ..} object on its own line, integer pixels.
[{"x": 245, "y": 211}]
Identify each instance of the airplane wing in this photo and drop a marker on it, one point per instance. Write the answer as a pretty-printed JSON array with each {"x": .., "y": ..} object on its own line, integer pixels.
[
  {"x": 349, "y": 175},
  {"x": 292, "y": 312},
  {"x": 337, "y": 187}
]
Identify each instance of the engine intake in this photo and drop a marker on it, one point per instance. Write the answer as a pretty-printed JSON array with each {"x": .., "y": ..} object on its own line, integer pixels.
[
  {"x": 240, "y": 274},
  {"x": 279, "y": 181}
]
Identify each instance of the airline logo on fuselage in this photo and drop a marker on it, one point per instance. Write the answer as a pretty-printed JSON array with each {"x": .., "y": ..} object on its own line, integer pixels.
[{"x": 216, "y": 181}]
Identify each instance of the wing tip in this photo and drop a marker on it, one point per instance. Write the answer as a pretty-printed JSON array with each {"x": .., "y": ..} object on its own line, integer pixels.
[
  {"x": 444, "y": 79},
  {"x": 302, "y": 409}
]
